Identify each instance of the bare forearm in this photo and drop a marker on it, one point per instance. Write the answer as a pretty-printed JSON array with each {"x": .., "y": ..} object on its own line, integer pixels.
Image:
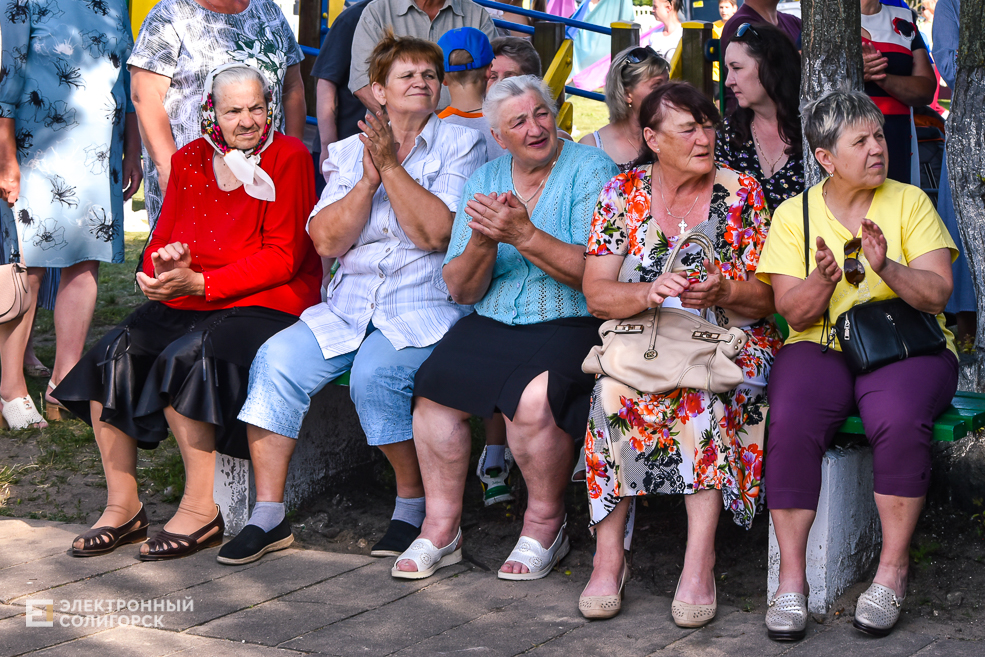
[
  {"x": 924, "y": 290},
  {"x": 336, "y": 227},
  {"x": 609, "y": 299},
  {"x": 131, "y": 137},
  {"x": 469, "y": 275},
  {"x": 751, "y": 298},
  {"x": 806, "y": 302},
  {"x": 563, "y": 262},
  {"x": 365, "y": 97},
  {"x": 8, "y": 143},
  {"x": 155, "y": 132},
  {"x": 911, "y": 90},
  {"x": 424, "y": 218},
  {"x": 294, "y": 112},
  {"x": 327, "y": 103}
]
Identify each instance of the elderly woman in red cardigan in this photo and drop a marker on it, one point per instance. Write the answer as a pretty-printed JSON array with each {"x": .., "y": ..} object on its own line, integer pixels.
[{"x": 229, "y": 265}]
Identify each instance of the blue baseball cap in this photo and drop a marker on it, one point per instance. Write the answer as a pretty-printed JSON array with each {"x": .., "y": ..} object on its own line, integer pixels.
[{"x": 473, "y": 41}]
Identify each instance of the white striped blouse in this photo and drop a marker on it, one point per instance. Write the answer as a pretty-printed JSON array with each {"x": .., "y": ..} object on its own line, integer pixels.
[{"x": 384, "y": 278}]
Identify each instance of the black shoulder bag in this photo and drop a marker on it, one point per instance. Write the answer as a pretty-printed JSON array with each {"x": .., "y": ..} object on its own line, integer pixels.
[{"x": 878, "y": 333}]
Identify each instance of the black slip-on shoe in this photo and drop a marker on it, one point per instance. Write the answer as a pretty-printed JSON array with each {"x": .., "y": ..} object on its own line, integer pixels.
[
  {"x": 252, "y": 543},
  {"x": 399, "y": 535}
]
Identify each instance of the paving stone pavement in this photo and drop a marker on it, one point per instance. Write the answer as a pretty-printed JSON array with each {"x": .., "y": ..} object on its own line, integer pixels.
[{"x": 305, "y": 602}]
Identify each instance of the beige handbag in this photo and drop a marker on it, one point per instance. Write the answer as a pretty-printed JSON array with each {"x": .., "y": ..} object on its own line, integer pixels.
[
  {"x": 663, "y": 349},
  {"x": 14, "y": 300}
]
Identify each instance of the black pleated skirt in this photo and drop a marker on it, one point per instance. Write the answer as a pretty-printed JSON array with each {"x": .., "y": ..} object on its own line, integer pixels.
[
  {"x": 482, "y": 366},
  {"x": 196, "y": 361}
]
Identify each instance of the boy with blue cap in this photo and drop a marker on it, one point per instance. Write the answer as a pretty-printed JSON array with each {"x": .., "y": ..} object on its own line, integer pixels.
[{"x": 468, "y": 55}]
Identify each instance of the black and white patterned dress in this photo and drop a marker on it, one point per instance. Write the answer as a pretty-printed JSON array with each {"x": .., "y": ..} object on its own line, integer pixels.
[
  {"x": 184, "y": 41},
  {"x": 785, "y": 183},
  {"x": 64, "y": 82}
]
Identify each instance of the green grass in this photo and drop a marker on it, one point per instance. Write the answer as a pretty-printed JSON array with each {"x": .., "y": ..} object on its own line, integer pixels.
[
  {"x": 589, "y": 116},
  {"x": 66, "y": 449}
]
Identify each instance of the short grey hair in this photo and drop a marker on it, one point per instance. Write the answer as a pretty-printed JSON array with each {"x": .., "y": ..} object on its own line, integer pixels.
[
  {"x": 514, "y": 88},
  {"x": 828, "y": 116},
  {"x": 624, "y": 75},
  {"x": 241, "y": 75}
]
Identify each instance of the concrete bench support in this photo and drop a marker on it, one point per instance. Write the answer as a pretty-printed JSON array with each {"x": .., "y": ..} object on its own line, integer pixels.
[
  {"x": 330, "y": 446},
  {"x": 846, "y": 536}
]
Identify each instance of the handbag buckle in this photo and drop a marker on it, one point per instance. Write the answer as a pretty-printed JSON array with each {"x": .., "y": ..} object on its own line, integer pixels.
[
  {"x": 650, "y": 354},
  {"x": 628, "y": 328},
  {"x": 708, "y": 336}
]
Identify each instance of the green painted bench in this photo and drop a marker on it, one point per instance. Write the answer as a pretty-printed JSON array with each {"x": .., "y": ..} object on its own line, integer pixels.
[{"x": 966, "y": 414}]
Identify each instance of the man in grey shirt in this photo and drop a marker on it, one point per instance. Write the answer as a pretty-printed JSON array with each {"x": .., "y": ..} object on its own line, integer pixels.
[{"x": 424, "y": 19}]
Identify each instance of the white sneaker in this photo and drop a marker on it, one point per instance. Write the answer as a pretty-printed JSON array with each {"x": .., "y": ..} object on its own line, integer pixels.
[{"x": 495, "y": 488}]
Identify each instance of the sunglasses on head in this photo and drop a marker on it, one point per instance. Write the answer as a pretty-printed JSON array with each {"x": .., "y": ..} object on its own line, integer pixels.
[
  {"x": 744, "y": 28},
  {"x": 641, "y": 54},
  {"x": 853, "y": 267}
]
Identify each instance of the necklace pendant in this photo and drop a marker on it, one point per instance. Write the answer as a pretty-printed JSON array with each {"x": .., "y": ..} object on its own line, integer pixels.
[{"x": 682, "y": 226}]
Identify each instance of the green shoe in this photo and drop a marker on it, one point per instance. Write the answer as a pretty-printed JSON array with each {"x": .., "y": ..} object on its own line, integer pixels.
[{"x": 495, "y": 484}]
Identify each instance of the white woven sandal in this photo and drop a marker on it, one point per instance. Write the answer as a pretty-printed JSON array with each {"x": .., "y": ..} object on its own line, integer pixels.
[
  {"x": 21, "y": 413},
  {"x": 428, "y": 558},
  {"x": 539, "y": 561}
]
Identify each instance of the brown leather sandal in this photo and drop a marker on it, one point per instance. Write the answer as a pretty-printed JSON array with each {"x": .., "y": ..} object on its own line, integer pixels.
[
  {"x": 103, "y": 540},
  {"x": 166, "y": 545}
]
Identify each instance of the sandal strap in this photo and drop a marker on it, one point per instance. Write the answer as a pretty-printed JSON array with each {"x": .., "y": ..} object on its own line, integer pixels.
[
  {"x": 137, "y": 522},
  {"x": 165, "y": 539},
  {"x": 20, "y": 413}
]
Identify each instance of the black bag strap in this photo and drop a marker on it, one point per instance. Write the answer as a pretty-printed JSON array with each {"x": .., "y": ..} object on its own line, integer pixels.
[{"x": 826, "y": 326}]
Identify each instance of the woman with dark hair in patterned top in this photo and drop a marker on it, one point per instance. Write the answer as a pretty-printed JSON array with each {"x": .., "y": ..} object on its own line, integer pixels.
[{"x": 761, "y": 136}]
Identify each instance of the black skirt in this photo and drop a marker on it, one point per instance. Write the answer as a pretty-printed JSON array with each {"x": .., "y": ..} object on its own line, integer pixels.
[
  {"x": 197, "y": 361},
  {"x": 482, "y": 366}
]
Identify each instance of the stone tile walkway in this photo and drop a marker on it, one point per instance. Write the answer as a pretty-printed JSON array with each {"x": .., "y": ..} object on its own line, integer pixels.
[{"x": 307, "y": 602}]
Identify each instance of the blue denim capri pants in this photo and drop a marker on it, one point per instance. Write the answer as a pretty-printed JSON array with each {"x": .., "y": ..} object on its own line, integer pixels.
[{"x": 290, "y": 368}]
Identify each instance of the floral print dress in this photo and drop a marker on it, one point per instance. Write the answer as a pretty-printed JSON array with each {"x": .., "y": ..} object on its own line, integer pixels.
[
  {"x": 685, "y": 440},
  {"x": 64, "y": 82},
  {"x": 786, "y": 182}
]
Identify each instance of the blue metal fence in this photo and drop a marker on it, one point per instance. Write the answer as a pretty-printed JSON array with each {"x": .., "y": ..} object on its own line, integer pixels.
[{"x": 506, "y": 25}]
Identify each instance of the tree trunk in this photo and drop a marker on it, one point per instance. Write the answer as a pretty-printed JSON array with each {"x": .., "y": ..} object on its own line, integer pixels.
[
  {"x": 832, "y": 56},
  {"x": 966, "y": 158}
]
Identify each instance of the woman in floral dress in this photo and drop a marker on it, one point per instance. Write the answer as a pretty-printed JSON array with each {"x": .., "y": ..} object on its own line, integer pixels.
[
  {"x": 704, "y": 445},
  {"x": 69, "y": 157}
]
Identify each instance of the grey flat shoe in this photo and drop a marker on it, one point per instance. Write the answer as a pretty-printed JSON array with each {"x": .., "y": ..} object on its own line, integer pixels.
[
  {"x": 877, "y": 610},
  {"x": 786, "y": 617}
]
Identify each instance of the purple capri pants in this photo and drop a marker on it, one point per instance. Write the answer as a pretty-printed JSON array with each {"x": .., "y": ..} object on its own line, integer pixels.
[{"x": 811, "y": 393}]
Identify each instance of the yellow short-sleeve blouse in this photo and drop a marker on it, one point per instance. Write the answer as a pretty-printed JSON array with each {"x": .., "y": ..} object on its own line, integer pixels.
[{"x": 904, "y": 213}]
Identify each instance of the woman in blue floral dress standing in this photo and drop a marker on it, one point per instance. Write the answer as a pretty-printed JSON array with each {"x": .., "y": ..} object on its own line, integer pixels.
[{"x": 69, "y": 157}]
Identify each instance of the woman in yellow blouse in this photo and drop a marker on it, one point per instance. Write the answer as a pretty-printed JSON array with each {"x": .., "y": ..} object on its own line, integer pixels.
[{"x": 870, "y": 239}]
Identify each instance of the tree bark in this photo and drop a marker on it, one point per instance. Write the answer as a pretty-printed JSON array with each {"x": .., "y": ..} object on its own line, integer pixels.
[
  {"x": 966, "y": 158},
  {"x": 832, "y": 57}
]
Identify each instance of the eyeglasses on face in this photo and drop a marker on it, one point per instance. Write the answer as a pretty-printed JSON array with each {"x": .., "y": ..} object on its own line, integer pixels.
[{"x": 853, "y": 267}]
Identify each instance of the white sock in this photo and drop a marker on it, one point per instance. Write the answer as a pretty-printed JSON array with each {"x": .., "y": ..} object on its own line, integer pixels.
[
  {"x": 410, "y": 510},
  {"x": 495, "y": 457},
  {"x": 267, "y": 515}
]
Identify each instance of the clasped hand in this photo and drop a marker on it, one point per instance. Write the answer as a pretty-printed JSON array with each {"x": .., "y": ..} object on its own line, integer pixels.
[
  {"x": 173, "y": 276},
  {"x": 379, "y": 147},
  {"x": 874, "y": 64},
  {"x": 500, "y": 218},
  {"x": 713, "y": 291}
]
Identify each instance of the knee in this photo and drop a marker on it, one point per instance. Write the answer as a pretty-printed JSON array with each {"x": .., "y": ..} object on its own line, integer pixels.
[
  {"x": 273, "y": 360},
  {"x": 533, "y": 413}
]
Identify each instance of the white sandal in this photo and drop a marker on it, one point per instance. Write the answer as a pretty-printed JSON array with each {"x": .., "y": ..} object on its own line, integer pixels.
[
  {"x": 20, "y": 413},
  {"x": 538, "y": 560},
  {"x": 428, "y": 558}
]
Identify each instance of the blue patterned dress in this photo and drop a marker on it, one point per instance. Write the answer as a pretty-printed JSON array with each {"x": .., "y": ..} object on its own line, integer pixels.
[{"x": 63, "y": 79}]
